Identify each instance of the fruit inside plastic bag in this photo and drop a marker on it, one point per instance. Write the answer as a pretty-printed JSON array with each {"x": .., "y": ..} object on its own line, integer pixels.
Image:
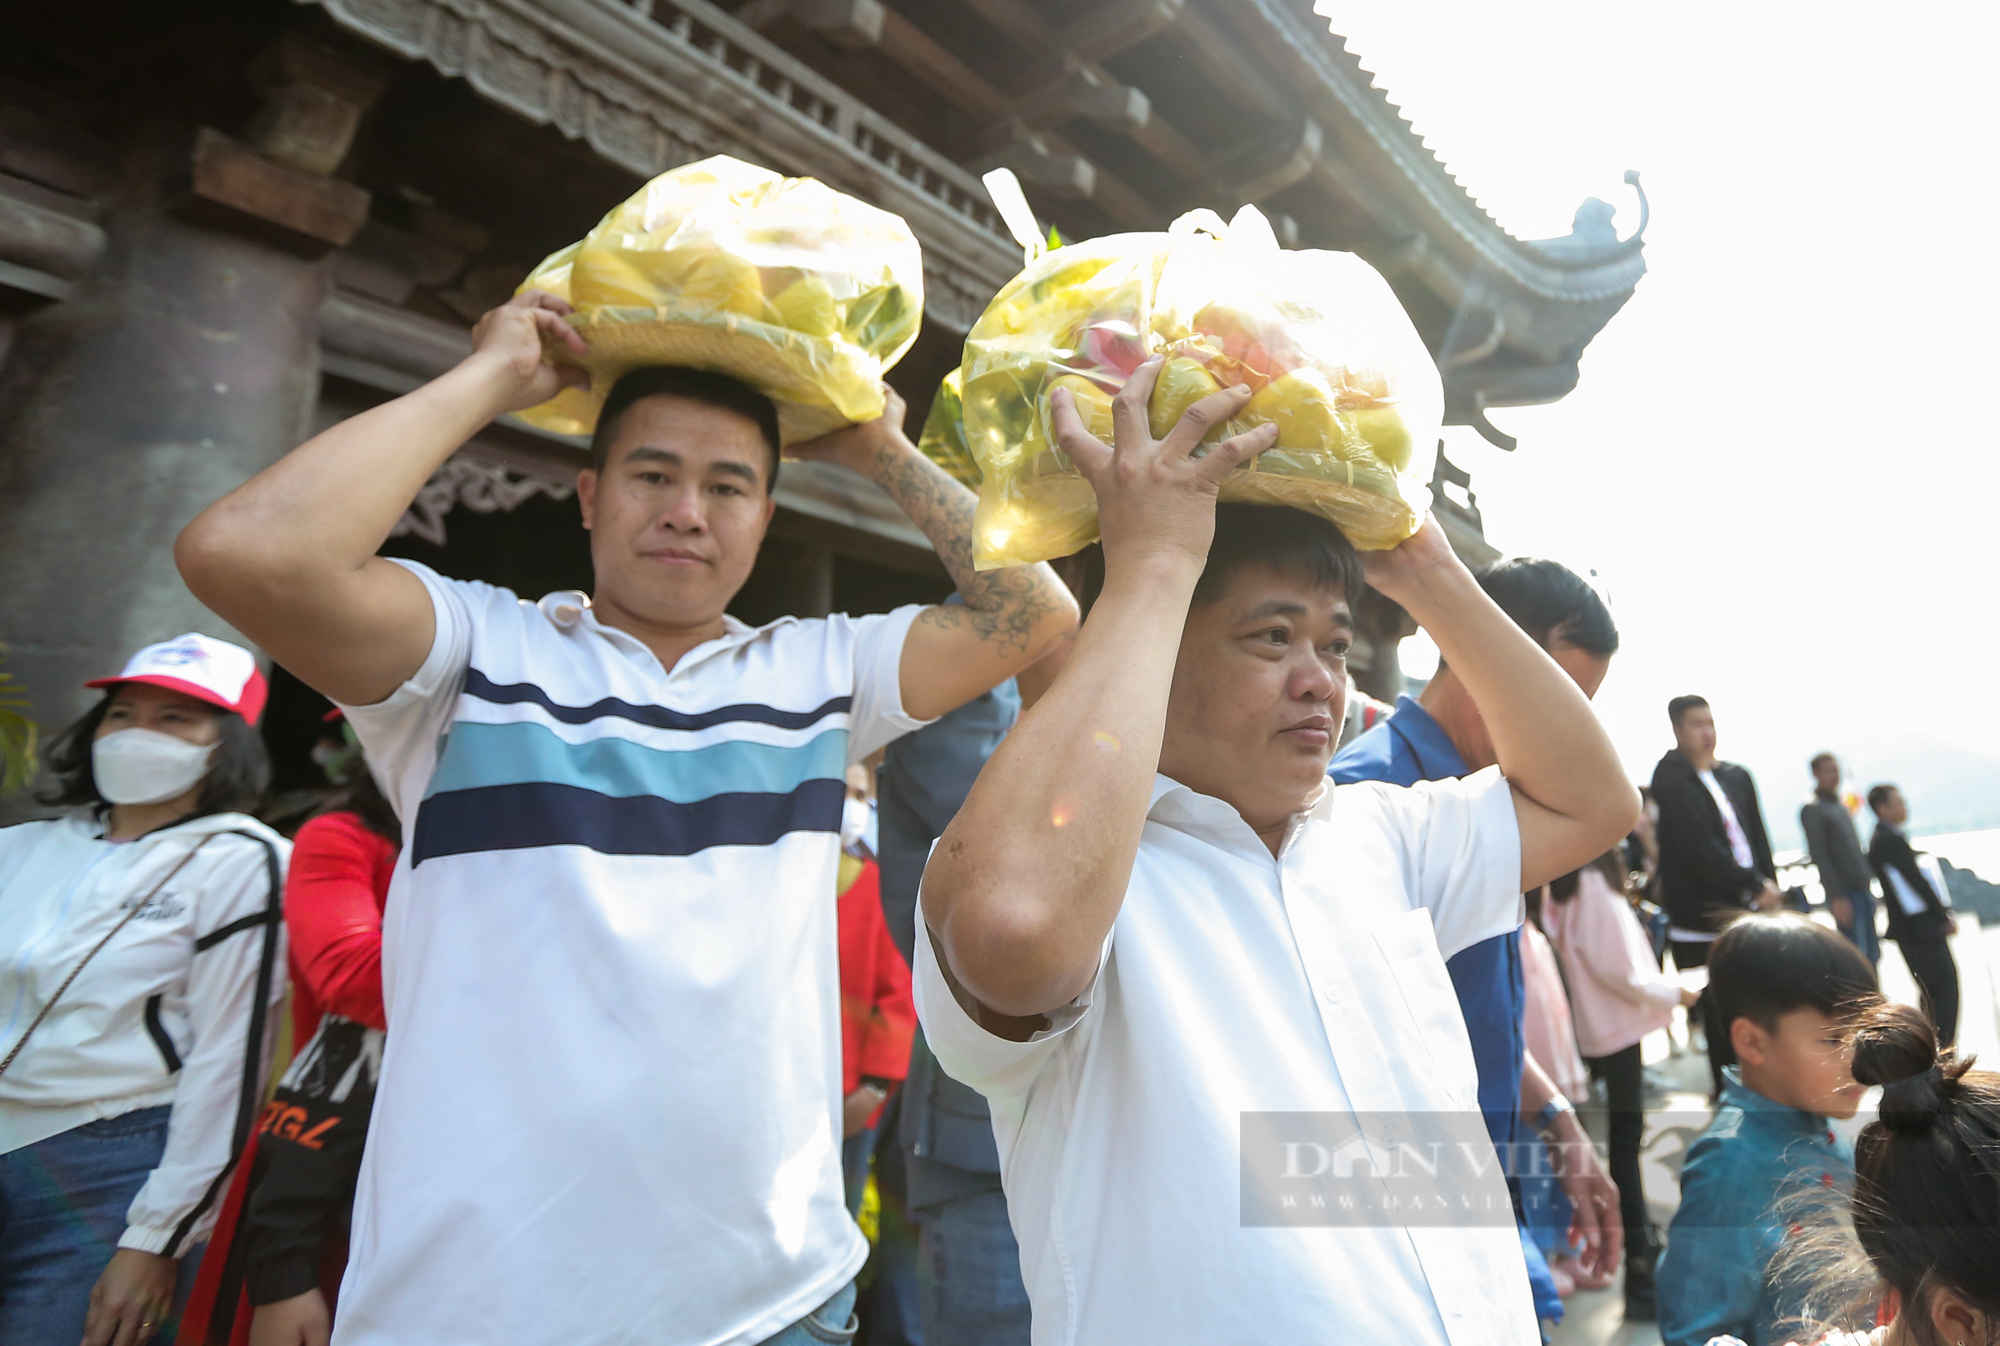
[
  {"x": 943, "y": 437},
  {"x": 1322, "y": 342},
  {"x": 802, "y": 292}
]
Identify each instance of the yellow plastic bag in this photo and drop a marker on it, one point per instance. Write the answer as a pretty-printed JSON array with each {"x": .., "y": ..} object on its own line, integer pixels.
[
  {"x": 1326, "y": 348},
  {"x": 806, "y": 294},
  {"x": 943, "y": 439}
]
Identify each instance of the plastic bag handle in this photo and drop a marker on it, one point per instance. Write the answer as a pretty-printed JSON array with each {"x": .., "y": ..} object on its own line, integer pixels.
[
  {"x": 1015, "y": 213},
  {"x": 1200, "y": 221},
  {"x": 1250, "y": 232}
]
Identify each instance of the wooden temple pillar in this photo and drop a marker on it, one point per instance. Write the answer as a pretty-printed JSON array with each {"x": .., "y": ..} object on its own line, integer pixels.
[{"x": 184, "y": 360}]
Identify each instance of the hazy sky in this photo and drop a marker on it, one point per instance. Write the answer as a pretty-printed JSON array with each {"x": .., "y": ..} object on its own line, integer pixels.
[{"x": 1781, "y": 459}]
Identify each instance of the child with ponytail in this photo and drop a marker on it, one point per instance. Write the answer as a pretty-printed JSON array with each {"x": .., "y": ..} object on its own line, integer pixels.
[
  {"x": 1927, "y": 1183},
  {"x": 1923, "y": 1249}
]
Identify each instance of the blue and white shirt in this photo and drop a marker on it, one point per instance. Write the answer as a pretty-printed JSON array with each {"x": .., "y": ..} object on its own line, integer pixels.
[{"x": 609, "y": 1108}]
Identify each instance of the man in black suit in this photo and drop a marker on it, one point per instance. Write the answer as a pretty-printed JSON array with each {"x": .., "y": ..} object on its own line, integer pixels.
[
  {"x": 1715, "y": 856},
  {"x": 1919, "y": 921}
]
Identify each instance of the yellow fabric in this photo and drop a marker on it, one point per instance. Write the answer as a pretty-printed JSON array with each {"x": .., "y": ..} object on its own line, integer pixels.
[
  {"x": 869, "y": 1217},
  {"x": 1326, "y": 348},
  {"x": 802, "y": 292}
]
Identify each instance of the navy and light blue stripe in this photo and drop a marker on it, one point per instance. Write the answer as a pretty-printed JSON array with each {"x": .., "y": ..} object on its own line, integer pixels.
[
  {"x": 520, "y": 785},
  {"x": 480, "y": 687}
]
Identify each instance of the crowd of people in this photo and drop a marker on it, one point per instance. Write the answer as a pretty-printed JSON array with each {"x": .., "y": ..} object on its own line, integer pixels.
[{"x": 640, "y": 959}]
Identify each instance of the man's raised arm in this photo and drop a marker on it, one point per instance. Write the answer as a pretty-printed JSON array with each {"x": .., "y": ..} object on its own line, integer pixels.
[
  {"x": 1026, "y": 882},
  {"x": 1011, "y": 617},
  {"x": 1571, "y": 793},
  {"x": 288, "y": 558}
]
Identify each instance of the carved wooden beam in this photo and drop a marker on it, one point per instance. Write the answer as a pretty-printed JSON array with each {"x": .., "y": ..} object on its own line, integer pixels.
[
  {"x": 1266, "y": 164},
  {"x": 231, "y": 185},
  {"x": 1044, "y": 159},
  {"x": 1019, "y": 21},
  {"x": 1110, "y": 29},
  {"x": 315, "y": 100},
  {"x": 847, "y": 24},
  {"x": 1084, "y": 90},
  {"x": 55, "y": 154},
  {"x": 1069, "y": 177},
  {"x": 1220, "y": 57},
  {"x": 41, "y": 238},
  {"x": 934, "y": 66},
  {"x": 390, "y": 338}
]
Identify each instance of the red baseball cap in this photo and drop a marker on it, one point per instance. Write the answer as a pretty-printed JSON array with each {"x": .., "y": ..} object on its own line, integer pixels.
[{"x": 203, "y": 667}]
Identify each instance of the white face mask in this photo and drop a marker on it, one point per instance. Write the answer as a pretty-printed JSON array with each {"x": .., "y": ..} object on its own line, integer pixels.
[
  {"x": 144, "y": 766},
  {"x": 855, "y": 817}
]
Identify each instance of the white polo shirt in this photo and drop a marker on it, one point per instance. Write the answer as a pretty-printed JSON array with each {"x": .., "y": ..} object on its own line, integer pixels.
[
  {"x": 610, "y": 1101},
  {"x": 1234, "y": 984}
]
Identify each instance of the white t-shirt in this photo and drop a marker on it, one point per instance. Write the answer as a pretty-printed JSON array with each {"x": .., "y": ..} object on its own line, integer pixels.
[
  {"x": 610, "y": 1101},
  {"x": 1909, "y": 899},
  {"x": 1134, "y": 1134},
  {"x": 1739, "y": 841}
]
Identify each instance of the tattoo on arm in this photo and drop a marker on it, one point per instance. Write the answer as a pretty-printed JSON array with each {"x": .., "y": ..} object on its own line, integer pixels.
[{"x": 1003, "y": 606}]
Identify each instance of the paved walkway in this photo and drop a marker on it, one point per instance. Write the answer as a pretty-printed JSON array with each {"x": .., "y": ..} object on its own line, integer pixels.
[{"x": 1597, "y": 1318}]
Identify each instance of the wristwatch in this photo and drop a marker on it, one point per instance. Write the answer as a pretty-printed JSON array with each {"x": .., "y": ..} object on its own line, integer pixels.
[{"x": 1545, "y": 1120}]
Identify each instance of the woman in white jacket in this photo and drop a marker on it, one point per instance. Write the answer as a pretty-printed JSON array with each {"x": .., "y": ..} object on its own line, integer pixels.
[{"x": 141, "y": 961}]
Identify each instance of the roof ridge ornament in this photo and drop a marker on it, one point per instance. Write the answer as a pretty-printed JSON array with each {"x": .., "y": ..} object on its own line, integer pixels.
[
  {"x": 1645, "y": 206},
  {"x": 1593, "y": 238}
]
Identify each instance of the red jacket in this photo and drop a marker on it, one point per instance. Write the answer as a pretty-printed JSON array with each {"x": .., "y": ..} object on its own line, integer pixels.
[
  {"x": 334, "y": 891},
  {"x": 877, "y": 1017},
  {"x": 335, "y": 888}
]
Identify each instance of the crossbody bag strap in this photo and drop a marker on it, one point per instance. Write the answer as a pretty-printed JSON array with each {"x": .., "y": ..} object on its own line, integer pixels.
[
  {"x": 272, "y": 918},
  {"x": 111, "y": 934}
]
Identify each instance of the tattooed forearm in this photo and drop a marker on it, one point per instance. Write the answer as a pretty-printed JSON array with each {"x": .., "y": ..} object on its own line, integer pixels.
[{"x": 1009, "y": 607}]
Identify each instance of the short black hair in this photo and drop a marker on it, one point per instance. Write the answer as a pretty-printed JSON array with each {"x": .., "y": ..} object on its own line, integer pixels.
[
  {"x": 1819, "y": 757},
  {"x": 238, "y": 773},
  {"x": 1681, "y": 705},
  {"x": 1279, "y": 538},
  {"x": 1767, "y": 964},
  {"x": 1878, "y": 795},
  {"x": 696, "y": 385},
  {"x": 1551, "y": 603}
]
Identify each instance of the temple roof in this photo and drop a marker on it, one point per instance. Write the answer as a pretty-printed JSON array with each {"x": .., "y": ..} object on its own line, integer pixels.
[{"x": 1117, "y": 114}]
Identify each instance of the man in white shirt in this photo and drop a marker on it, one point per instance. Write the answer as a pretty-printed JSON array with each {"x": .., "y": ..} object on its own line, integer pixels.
[
  {"x": 609, "y": 1110},
  {"x": 1203, "y": 987}
]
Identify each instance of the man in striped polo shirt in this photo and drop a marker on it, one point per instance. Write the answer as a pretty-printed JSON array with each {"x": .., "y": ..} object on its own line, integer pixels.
[{"x": 610, "y": 1102}]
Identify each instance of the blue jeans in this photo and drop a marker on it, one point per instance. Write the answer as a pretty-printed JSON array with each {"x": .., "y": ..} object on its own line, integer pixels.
[
  {"x": 970, "y": 1274},
  {"x": 818, "y": 1328},
  {"x": 62, "y": 1209},
  {"x": 1862, "y": 933}
]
